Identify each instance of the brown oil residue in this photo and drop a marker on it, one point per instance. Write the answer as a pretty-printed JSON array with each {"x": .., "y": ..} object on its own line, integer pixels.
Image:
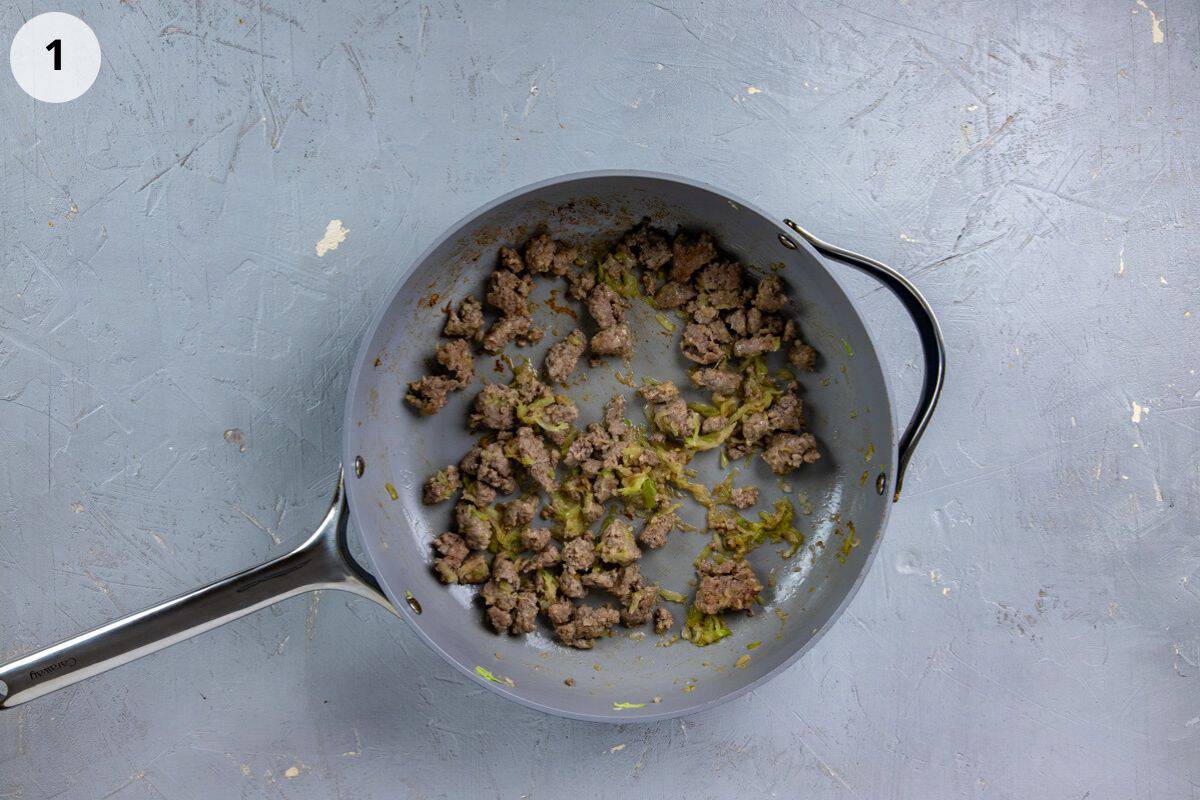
[
  {"x": 378, "y": 362},
  {"x": 552, "y": 304},
  {"x": 431, "y": 301},
  {"x": 502, "y": 363}
]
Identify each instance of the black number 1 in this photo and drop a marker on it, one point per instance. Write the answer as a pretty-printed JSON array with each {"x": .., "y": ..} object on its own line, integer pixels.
[{"x": 56, "y": 46}]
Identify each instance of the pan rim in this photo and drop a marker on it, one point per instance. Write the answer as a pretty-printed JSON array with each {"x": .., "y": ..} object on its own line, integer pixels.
[{"x": 361, "y": 360}]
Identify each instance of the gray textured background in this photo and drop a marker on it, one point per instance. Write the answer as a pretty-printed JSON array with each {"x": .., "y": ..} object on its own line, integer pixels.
[{"x": 1031, "y": 626}]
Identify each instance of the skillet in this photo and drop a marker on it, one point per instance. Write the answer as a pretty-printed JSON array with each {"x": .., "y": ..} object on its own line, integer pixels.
[{"x": 846, "y": 496}]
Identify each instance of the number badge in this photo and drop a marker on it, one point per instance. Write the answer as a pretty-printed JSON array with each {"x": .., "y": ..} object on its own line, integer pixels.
[{"x": 55, "y": 57}]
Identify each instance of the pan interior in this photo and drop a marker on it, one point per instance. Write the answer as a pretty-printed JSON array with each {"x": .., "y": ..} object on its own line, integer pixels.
[{"x": 839, "y": 509}]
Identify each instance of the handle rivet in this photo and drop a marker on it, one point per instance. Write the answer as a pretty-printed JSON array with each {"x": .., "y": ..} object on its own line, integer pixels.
[
  {"x": 787, "y": 241},
  {"x": 881, "y": 483},
  {"x": 359, "y": 466},
  {"x": 412, "y": 602}
]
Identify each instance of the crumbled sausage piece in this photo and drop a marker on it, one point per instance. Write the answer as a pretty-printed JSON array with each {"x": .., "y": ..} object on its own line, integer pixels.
[
  {"x": 605, "y": 306},
  {"x": 474, "y": 569},
  {"x": 673, "y": 295},
  {"x": 689, "y": 255},
  {"x": 802, "y": 356},
  {"x": 614, "y": 341},
  {"x": 761, "y": 323},
  {"x": 787, "y": 451},
  {"x": 614, "y": 416},
  {"x": 473, "y": 525},
  {"x": 580, "y": 282},
  {"x": 704, "y": 343},
  {"x": 563, "y": 356},
  {"x": 726, "y": 585},
  {"x": 701, "y": 310},
  {"x": 529, "y": 450},
  {"x": 511, "y": 260},
  {"x": 545, "y": 255},
  {"x": 535, "y": 539},
  {"x": 456, "y": 358},
  {"x": 744, "y": 497},
  {"x": 518, "y": 513},
  {"x": 721, "y": 283},
  {"x": 639, "y": 606},
  {"x": 663, "y": 619},
  {"x": 543, "y": 559},
  {"x": 505, "y": 330},
  {"x": 532, "y": 335},
  {"x": 570, "y": 584},
  {"x": 509, "y": 293},
  {"x": 770, "y": 295},
  {"x": 629, "y": 580},
  {"x": 559, "y": 613},
  {"x": 499, "y": 618},
  {"x": 527, "y": 386},
  {"x": 718, "y": 381},
  {"x": 586, "y": 626},
  {"x": 755, "y": 345},
  {"x": 524, "y": 616},
  {"x": 467, "y": 321},
  {"x": 674, "y": 418},
  {"x": 478, "y": 494},
  {"x": 754, "y": 427},
  {"x": 660, "y": 392},
  {"x": 579, "y": 554},
  {"x": 503, "y": 569},
  {"x": 453, "y": 551},
  {"x": 649, "y": 245},
  {"x": 786, "y": 413},
  {"x": 617, "y": 545},
  {"x": 495, "y": 407},
  {"x": 441, "y": 486},
  {"x": 654, "y": 534},
  {"x": 430, "y": 393},
  {"x": 736, "y": 322},
  {"x": 495, "y": 469}
]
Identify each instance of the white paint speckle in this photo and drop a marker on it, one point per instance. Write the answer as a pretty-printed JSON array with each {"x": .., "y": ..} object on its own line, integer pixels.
[
  {"x": 335, "y": 234},
  {"x": 1156, "y": 31}
]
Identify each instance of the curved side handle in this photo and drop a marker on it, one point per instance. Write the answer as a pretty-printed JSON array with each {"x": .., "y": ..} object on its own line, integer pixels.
[
  {"x": 322, "y": 561},
  {"x": 928, "y": 330}
]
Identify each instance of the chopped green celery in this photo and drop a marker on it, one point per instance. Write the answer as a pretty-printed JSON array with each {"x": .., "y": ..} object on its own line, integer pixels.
[
  {"x": 671, "y": 597},
  {"x": 640, "y": 487},
  {"x": 666, "y": 323},
  {"x": 703, "y": 629}
]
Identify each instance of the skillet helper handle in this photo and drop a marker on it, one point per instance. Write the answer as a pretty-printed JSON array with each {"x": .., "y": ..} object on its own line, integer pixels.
[
  {"x": 320, "y": 562},
  {"x": 930, "y": 333}
]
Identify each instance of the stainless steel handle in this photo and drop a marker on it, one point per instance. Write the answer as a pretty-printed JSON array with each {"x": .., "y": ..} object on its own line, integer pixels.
[
  {"x": 928, "y": 330},
  {"x": 322, "y": 561}
]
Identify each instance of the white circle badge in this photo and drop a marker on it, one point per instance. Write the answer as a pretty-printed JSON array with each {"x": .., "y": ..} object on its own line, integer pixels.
[{"x": 55, "y": 57}]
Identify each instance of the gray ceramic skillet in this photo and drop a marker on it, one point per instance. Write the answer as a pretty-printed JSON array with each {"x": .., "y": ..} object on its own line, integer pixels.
[{"x": 846, "y": 496}]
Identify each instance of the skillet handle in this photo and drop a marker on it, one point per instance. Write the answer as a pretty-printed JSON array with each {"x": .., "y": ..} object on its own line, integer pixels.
[
  {"x": 322, "y": 561},
  {"x": 930, "y": 333}
]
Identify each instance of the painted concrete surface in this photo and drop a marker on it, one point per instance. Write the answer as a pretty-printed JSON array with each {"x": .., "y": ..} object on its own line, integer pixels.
[{"x": 173, "y": 355}]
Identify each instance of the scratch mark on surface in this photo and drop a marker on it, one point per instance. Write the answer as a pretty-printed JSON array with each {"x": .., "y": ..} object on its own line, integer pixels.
[
  {"x": 310, "y": 621},
  {"x": 352, "y": 57},
  {"x": 270, "y": 533}
]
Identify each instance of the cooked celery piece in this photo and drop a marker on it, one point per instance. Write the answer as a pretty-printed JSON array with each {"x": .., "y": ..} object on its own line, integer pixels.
[{"x": 703, "y": 629}]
